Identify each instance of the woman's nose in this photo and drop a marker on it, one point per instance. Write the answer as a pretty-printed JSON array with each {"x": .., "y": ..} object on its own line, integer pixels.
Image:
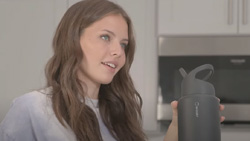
[{"x": 116, "y": 49}]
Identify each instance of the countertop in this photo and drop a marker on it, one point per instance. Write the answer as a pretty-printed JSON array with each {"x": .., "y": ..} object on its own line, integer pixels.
[{"x": 234, "y": 132}]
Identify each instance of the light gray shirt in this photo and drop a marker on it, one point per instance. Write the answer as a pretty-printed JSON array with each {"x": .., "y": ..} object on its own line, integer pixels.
[{"x": 31, "y": 118}]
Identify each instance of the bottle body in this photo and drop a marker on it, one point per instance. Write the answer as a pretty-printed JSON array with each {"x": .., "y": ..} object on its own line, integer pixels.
[{"x": 199, "y": 118}]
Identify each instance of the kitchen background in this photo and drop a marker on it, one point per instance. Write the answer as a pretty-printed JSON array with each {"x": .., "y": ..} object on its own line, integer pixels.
[{"x": 27, "y": 28}]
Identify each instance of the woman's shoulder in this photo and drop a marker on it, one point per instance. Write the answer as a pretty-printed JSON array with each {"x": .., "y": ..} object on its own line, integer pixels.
[
  {"x": 21, "y": 113},
  {"x": 35, "y": 94},
  {"x": 30, "y": 103},
  {"x": 31, "y": 116},
  {"x": 33, "y": 97}
]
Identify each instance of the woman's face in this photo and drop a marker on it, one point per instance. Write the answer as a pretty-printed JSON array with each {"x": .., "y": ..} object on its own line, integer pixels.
[{"x": 103, "y": 44}]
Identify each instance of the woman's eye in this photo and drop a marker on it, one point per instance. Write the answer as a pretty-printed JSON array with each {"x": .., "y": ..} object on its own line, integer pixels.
[
  {"x": 124, "y": 45},
  {"x": 105, "y": 37}
]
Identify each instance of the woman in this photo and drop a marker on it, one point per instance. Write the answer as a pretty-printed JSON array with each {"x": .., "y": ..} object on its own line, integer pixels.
[{"x": 90, "y": 94}]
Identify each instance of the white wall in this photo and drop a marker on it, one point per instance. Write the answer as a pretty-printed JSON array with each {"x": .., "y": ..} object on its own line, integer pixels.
[{"x": 26, "y": 31}]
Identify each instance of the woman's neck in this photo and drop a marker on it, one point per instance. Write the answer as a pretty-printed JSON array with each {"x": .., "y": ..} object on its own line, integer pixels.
[{"x": 93, "y": 91}]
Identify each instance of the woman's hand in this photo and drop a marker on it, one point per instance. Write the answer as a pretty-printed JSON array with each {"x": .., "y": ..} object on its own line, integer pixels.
[
  {"x": 172, "y": 133},
  {"x": 222, "y": 107}
]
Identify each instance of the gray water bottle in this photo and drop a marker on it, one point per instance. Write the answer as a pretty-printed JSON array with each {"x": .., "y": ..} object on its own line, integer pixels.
[{"x": 198, "y": 107}]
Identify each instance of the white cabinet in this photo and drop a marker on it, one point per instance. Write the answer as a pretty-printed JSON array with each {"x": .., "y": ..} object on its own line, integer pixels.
[
  {"x": 203, "y": 17},
  {"x": 26, "y": 32},
  {"x": 244, "y": 17}
]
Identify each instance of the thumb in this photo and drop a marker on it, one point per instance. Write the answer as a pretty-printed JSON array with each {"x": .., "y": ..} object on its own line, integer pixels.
[{"x": 174, "y": 105}]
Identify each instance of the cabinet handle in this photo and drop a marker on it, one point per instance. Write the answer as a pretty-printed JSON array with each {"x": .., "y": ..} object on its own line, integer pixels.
[
  {"x": 230, "y": 12},
  {"x": 244, "y": 12}
]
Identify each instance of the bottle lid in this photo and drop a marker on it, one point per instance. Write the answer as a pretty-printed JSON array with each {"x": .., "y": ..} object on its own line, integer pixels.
[{"x": 193, "y": 85}]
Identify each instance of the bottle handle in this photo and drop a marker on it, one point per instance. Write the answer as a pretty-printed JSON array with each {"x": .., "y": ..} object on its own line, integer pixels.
[
  {"x": 193, "y": 73},
  {"x": 183, "y": 72}
]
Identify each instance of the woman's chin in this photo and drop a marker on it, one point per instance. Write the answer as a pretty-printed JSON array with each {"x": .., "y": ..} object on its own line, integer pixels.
[{"x": 105, "y": 82}]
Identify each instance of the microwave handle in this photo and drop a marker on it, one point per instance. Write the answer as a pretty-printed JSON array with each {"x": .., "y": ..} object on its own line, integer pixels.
[{"x": 237, "y": 61}]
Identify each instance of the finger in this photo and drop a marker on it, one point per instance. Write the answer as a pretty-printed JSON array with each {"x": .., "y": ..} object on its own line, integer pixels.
[
  {"x": 222, "y": 107},
  {"x": 222, "y": 118},
  {"x": 174, "y": 104},
  {"x": 174, "y": 107},
  {"x": 218, "y": 99}
]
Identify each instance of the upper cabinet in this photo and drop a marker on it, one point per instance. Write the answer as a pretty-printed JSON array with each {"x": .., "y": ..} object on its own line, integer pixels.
[
  {"x": 244, "y": 17},
  {"x": 203, "y": 17}
]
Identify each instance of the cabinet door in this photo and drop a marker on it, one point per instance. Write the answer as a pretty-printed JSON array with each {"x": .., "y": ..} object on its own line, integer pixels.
[
  {"x": 244, "y": 17},
  {"x": 197, "y": 17},
  {"x": 26, "y": 32}
]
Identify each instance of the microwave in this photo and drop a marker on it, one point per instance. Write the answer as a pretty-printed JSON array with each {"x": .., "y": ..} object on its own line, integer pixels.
[{"x": 231, "y": 77}]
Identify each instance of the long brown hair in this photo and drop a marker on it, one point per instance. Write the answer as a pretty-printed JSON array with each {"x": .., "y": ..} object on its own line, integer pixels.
[{"x": 119, "y": 102}]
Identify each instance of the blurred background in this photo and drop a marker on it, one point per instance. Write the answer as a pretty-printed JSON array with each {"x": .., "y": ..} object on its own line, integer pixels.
[{"x": 169, "y": 33}]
